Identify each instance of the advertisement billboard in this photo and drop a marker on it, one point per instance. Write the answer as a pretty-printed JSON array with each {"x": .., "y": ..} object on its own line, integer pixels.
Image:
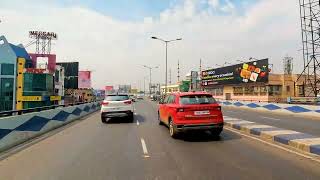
[
  {"x": 249, "y": 72},
  {"x": 84, "y": 79}
]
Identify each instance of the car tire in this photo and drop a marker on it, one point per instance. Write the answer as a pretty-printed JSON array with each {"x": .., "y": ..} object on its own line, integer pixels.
[
  {"x": 216, "y": 132},
  {"x": 172, "y": 130},
  {"x": 104, "y": 120},
  {"x": 131, "y": 117}
]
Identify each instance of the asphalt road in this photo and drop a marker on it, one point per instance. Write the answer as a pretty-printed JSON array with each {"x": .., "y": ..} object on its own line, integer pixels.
[
  {"x": 92, "y": 150},
  {"x": 308, "y": 125}
]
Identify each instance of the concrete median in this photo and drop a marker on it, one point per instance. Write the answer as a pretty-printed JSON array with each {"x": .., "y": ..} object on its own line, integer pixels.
[
  {"x": 303, "y": 110},
  {"x": 302, "y": 142},
  {"x": 21, "y": 128}
]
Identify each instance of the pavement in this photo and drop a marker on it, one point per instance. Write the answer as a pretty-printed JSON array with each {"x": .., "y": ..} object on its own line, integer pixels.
[
  {"x": 309, "y": 125},
  {"x": 144, "y": 150}
]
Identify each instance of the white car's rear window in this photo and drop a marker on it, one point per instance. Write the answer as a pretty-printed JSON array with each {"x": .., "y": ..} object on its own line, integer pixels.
[{"x": 117, "y": 98}]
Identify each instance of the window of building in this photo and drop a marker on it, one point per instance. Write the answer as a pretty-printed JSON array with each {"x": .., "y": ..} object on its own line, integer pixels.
[
  {"x": 275, "y": 90},
  {"x": 256, "y": 90},
  {"x": 7, "y": 69},
  {"x": 6, "y": 94},
  {"x": 217, "y": 91},
  {"x": 300, "y": 90},
  {"x": 288, "y": 88},
  {"x": 238, "y": 91},
  {"x": 249, "y": 90},
  {"x": 263, "y": 91}
]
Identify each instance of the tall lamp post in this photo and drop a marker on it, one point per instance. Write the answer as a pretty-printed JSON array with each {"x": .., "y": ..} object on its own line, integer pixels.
[
  {"x": 150, "y": 69},
  {"x": 166, "y": 42}
]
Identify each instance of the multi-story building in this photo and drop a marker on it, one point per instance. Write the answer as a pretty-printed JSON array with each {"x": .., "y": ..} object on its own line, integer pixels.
[{"x": 22, "y": 84}]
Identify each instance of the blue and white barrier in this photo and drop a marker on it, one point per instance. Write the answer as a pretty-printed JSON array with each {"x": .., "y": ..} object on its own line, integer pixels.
[
  {"x": 20, "y": 128},
  {"x": 313, "y": 110},
  {"x": 290, "y": 139}
]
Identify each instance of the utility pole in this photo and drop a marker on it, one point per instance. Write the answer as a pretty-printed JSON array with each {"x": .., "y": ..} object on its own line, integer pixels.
[
  {"x": 170, "y": 76},
  {"x": 178, "y": 72}
]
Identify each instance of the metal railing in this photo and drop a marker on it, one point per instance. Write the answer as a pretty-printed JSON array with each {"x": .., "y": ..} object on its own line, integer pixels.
[{"x": 38, "y": 109}]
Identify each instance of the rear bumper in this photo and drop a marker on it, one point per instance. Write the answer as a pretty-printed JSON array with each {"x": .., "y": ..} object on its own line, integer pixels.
[
  {"x": 116, "y": 114},
  {"x": 194, "y": 127}
]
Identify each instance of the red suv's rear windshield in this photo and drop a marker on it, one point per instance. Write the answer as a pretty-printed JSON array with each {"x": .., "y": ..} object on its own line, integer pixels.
[{"x": 197, "y": 99}]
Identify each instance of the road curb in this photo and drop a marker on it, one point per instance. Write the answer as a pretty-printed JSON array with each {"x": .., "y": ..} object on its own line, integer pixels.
[{"x": 302, "y": 142}]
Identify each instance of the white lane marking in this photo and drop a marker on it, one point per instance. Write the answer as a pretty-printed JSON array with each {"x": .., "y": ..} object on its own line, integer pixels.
[
  {"x": 144, "y": 148},
  {"x": 138, "y": 122},
  {"x": 310, "y": 157},
  {"x": 135, "y": 113},
  {"x": 270, "y": 118}
]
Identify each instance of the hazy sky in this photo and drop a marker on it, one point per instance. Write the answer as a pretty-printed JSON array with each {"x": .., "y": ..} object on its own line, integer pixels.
[{"x": 112, "y": 37}]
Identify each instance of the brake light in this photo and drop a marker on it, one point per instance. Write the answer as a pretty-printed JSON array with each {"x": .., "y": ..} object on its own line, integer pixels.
[
  {"x": 104, "y": 103},
  {"x": 180, "y": 110},
  {"x": 128, "y": 102}
]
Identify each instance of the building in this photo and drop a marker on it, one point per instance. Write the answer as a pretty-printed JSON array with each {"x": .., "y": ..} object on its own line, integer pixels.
[
  {"x": 59, "y": 83},
  {"x": 170, "y": 88},
  {"x": 9, "y": 55},
  {"x": 71, "y": 75},
  {"x": 251, "y": 81},
  {"x": 23, "y": 85}
]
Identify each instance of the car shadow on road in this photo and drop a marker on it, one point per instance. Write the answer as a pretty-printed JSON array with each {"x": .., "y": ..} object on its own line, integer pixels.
[
  {"x": 118, "y": 120},
  {"x": 205, "y": 136}
]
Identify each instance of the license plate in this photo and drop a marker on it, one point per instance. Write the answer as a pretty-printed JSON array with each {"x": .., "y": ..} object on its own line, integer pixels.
[{"x": 201, "y": 113}]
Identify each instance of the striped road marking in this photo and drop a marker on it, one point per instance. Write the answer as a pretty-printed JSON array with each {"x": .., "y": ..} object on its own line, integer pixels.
[{"x": 144, "y": 148}]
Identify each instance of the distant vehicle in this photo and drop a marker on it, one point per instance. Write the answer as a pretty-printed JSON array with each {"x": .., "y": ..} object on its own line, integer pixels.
[
  {"x": 133, "y": 97},
  {"x": 140, "y": 96},
  {"x": 182, "y": 112},
  {"x": 153, "y": 97},
  {"x": 118, "y": 105}
]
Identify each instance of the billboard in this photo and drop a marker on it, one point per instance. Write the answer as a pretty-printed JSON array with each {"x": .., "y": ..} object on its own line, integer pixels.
[
  {"x": 249, "y": 72},
  {"x": 84, "y": 79},
  {"x": 108, "y": 88}
]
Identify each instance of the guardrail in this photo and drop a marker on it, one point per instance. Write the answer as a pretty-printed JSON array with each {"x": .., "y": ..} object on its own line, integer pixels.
[{"x": 37, "y": 109}]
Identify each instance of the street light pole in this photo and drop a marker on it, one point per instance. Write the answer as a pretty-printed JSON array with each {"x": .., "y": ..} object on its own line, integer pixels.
[
  {"x": 150, "y": 72},
  {"x": 166, "y": 43}
]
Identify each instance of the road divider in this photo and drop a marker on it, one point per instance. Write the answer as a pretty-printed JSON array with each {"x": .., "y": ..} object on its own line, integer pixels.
[
  {"x": 17, "y": 129},
  {"x": 305, "y": 110},
  {"x": 302, "y": 142}
]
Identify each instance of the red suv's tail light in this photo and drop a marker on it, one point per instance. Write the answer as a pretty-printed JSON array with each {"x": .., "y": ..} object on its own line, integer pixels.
[
  {"x": 104, "y": 103},
  {"x": 180, "y": 110},
  {"x": 128, "y": 102}
]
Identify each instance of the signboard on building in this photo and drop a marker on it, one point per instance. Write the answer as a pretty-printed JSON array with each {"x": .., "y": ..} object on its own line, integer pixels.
[
  {"x": 84, "y": 79},
  {"x": 108, "y": 88},
  {"x": 31, "y": 98},
  {"x": 250, "y": 72}
]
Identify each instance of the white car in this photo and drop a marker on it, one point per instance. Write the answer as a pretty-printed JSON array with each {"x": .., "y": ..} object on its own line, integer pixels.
[
  {"x": 140, "y": 96},
  {"x": 118, "y": 105}
]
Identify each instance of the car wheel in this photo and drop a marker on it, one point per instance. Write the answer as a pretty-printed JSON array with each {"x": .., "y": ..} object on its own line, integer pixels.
[
  {"x": 131, "y": 117},
  {"x": 216, "y": 132},
  {"x": 172, "y": 130},
  {"x": 103, "y": 120}
]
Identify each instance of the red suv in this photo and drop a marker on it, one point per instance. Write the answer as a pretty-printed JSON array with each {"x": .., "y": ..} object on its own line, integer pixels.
[{"x": 190, "y": 111}]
